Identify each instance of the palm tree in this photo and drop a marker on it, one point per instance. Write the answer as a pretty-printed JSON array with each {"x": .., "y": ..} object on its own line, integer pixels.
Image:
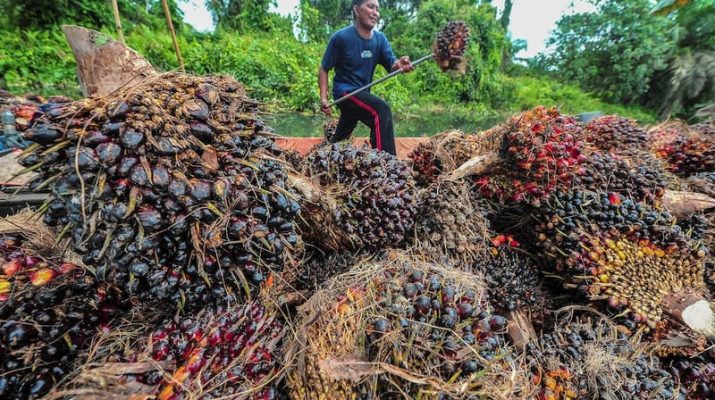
[
  {"x": 689, "y": 81},
  {"x": 692, "y": 77}
]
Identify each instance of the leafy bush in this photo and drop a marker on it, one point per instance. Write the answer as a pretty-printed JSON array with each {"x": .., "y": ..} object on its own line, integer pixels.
[{"x": 532, "y": 91}]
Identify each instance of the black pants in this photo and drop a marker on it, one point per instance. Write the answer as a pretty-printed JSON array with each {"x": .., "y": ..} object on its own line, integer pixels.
[{"x": 371, "y": 111}]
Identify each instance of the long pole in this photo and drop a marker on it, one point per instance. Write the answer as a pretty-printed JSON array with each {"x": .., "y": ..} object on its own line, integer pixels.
[
  {"x": 383, "y": 79},
  {"x": 173, "y": 34},
  {"x": 117, "y": 21}
]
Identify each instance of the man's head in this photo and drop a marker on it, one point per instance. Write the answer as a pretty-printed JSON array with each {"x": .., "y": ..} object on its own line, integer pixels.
[{"x": 366, "y": 13}]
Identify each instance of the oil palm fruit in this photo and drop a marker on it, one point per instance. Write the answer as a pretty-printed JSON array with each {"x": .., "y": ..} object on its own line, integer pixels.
[
  {"x": 170, "y": 188},
  {"x": 539, "y": 152},
  {"x": 370, "y": 331},
  {"x": 611, "y": 133},
  {"x": 513, "y": 280},
  {"x": 696, "y": 376},
  {"x": 606, "y": 172},
  {"x": 614, "y": 249},
  {"x": 590, "y": 358},
  {"x": 686, "y": 150},
  {"x": 450, "y": 45},
  {"x": 368, "y": 199},
  {"x": 450, "y": 224},
  {"x": 49, "y": 312},
  {"x": 446, "y": 151}
]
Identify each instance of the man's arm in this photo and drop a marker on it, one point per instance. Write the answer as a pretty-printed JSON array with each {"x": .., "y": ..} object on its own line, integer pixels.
[{"x": 323, "y": 85}]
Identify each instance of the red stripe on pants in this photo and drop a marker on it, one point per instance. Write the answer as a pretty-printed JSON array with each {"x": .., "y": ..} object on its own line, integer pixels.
[{"x": 375, "y": 116}]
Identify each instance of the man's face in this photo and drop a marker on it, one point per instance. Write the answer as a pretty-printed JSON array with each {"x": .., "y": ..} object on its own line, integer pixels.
[{"x": 368, "y": 14}]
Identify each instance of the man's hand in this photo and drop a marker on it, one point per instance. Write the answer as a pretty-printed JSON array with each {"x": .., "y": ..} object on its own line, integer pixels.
[
  {"x": 325, "y": 108},
  {"x": 404, "y": 64}
]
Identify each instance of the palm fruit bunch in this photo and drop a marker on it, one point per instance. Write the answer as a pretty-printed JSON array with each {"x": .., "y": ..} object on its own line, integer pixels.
[
  {"x": 450, "y": 46},
  {"x": 672, "y": 339},
  {"x": 379, "y": 330},
  {"x": 49, "y": 312},
  {"x": 615, "y": 249},
  {"x": 317, "y": 267},
  {"x": 450, "y": 225},
  {"x": 219, "y": 352},
  {"x": 540, "y": 152},
  {"x": 367, "y": 198},
  {"x": 704, "y": 128},
  {"x": 590, "y": 358},
  {"x": 703, "y": 182},
  {"x": 612, "y": 133},
  {"x": 686, "y": 151},
  {"x": 512, "y": 279},
  {"x": 169, "y": 188},
  {"x": 445, "y": 152},
  {"x": 697, "y": 376},
  {"x": 627, "y": 177}
]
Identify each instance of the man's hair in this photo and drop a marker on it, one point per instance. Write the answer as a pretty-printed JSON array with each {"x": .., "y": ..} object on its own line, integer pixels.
[{"x": 352, "y": 6}]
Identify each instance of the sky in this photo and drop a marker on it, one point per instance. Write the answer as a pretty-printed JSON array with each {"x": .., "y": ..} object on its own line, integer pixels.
[{"x": 531, "y": 20}]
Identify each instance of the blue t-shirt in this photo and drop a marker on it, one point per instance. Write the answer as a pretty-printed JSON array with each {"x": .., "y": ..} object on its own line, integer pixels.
[{"x": 355, "y": 58}]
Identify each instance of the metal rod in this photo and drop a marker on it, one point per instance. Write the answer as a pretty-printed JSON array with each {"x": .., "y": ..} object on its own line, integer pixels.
[
  {"x": 173, "y": 34},
  {"x": 383, "y": 79},
  {"x": 117, "y": 21}
]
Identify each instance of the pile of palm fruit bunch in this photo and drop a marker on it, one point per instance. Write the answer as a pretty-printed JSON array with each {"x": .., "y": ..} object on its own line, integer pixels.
[
  {"x": 686, "y": 149},
  {"x": 539, "y": 152},
  {"x": 450, "y": 224},
  {"x": 50, "y": 309},
  {"x": 365, "y": 199},
  {"x": 620, "y": 251},
  {"x": 168, "y": 188},
  {"x": 402, "y": 327},
  {"x": 615, "y": 134},
  {"x": 445, "y": 152},
  {"x": 628, "y": 177},
  {"x": 589, "y": 357}
]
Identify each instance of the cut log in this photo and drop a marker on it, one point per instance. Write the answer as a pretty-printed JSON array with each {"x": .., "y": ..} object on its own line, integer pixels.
[
  {"x": 691, "y": 309},
  {"x": 104, "y": 64},
  {"x": 475, "y": 165},
  {"x": 683, "y": 204}
]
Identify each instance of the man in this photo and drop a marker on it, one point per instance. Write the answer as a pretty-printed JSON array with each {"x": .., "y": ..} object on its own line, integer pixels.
[{"x": 355, "y": 52}]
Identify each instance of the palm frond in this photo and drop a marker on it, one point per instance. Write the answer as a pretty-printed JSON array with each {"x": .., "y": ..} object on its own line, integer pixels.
[{"x": 691, "y": 75}]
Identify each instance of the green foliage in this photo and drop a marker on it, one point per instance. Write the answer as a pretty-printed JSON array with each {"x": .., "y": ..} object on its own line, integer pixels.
[
  {"x": 26, "y": 14},
  {"x": 94, "y": 14},
  {"x": 246, "y": 16},
  {"x": 482, "y": 81},
  {"x": 334, "y": 14},
  {"x": 533, "y": 91},
  {"x": 281, "y": 70},
  {"x": 37, "y": 61},
  {"x": 689, "y": 80},
  {"x": 311, "y": 26},
  {"x": 612, "y": 52}
]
